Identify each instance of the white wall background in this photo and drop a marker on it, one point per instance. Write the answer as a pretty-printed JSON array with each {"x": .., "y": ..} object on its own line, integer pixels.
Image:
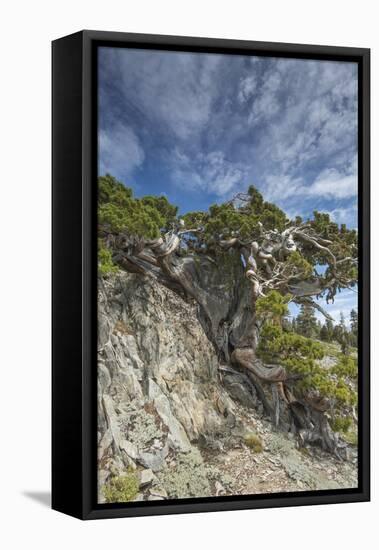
[{"x": 27, "y": 29}]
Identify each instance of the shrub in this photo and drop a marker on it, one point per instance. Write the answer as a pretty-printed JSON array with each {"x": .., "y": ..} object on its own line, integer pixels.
[
  {"x": 106, "y": 265},
  {"x": 124, "y": 329},
  {"x": 254, "y": 442},
  {"x": 273, "y": 307},
  {"x": 122, "y": 488},
  {"x": 346, "y": 367},
  {"x": 351, "y": 437},
  {"x": 341, "y": 424},
  {"x": 299, "y": 355}
]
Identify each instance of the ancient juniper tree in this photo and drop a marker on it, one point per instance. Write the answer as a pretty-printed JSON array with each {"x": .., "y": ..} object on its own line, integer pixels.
[{"x": 242, "y": 262}]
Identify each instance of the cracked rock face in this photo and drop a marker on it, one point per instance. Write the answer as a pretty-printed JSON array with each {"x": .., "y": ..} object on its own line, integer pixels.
[
  {"x": 158, "y": 384},
  {"x": 165, "y": 422}
]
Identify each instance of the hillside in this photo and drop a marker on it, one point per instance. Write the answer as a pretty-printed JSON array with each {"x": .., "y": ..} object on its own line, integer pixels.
[{"x": 173, "y": 422}]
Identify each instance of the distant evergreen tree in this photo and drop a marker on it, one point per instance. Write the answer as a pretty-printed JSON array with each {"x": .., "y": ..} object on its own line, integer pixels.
[
  {"x": 330, "y": 328},
  {"x": 339, "y": 329},
  {"x": 342, "y": 322},
  {"x": 294, "y": 324},
  {"x": 326, "y": 332},
  {"x": 307, "y": 322},
  {"x": 204, "y": 256},
  {"x": 354, "y": 328},
  {"x": 318, "y": 329},
  {"x": 341, "y": 335}
]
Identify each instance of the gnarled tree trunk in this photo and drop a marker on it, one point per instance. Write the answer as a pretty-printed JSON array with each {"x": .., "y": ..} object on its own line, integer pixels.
[{"x": 226, "y": 293}]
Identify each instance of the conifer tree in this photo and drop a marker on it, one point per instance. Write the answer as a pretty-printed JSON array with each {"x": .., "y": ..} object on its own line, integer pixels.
[
  {"x": 354, "y": 328},
  {"x": 242, "y": 262},
  {"x": 307, "y": 322}
]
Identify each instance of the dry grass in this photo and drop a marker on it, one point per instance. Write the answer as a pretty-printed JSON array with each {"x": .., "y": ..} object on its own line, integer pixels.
[
  {"x": 253, "y": 442},
  {"x": 121, "y": 327}
]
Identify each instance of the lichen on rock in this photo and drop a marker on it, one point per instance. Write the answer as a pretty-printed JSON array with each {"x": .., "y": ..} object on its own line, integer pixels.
[
  {"x": 167, "y": 420},
  {"x": 187, "y": 477}
]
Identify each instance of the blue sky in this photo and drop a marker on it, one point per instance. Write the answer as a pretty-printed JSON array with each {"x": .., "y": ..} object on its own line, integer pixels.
[{"x": 201, "y": 127}]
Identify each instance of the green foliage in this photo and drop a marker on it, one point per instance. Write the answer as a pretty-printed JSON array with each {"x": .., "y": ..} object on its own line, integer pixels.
[
  {"x": 135, "y": 218},
  {"x": 306, "y": 322},
  {"x": 324, "y": 226},
  {"x": 295, "y": 351},
  {"x": 273, "y": 307},
  {"x": 354, "y": 328},
  {"x": 112, "y": 191},
  {"x": 229, "y": 220},
  {"x": 326, "y": 332},
  {"x": 300, "y": 356},
  {"x": 167, "y": 211},
  {"x": 346, "y": 367},
  {"x": 344, "y": 394},
  {"x": 120, "y": 212},
  {"x": 148, "y": 217},
  {"x": 195, "y": 219},
  {"x": 351, "y": 436},
  {"x": 341, "y": 424},
  {"x": 302, "y": 266},
  {"x": 342, "y": 336},
  {"x": 122, "y": 488},
  {"x": 343, "y": 244},
  {"x": 225, "y": 220},
  {"x": 271, "y": 216},
  {"x": 254, "y": 442},
  {"x": 106, "y": 265}
]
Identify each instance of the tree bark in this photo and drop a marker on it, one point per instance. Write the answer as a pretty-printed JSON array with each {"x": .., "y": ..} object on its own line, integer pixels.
[{"x": 226, "y": 292}]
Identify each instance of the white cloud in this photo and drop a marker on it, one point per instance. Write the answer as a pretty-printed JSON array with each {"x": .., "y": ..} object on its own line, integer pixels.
[
  {"x": 310, "y": 115},
  {"x": 174, "y": 91},
  {"x": 331, "y": 183},
  {"x": 218, "y": 123},
  {"x": 344, "y": 302},
  {"x": 247, "y": 88},
  {"x": 282, "y": 187},
  {"x": 266, "y": 102},
  {"x": 210, "y": 172},
  {"x": 348, "y": 215},
  {"x": 120, "y": 151}
]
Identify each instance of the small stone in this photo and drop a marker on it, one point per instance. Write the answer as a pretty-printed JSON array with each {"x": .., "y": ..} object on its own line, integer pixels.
[
  {"x": 103, "y": 476},
  {"x": 154, "y": 462},
  {"x": 153, "y": 497},
  {"x": 146, "y": 477},
  {"x": 129, "y": 448},
  {"x": 158, "y": 492},
  {"x": 219, "y": 488}
]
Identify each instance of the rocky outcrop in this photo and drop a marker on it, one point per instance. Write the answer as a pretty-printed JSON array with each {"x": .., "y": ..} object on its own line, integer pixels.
[
  {"x": 165, "y": 418},
  {"x": 159, "y": 391}
]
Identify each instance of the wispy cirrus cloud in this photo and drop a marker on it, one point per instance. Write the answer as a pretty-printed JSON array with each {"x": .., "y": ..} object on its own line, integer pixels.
[
  {"x": 210, "y": 172},
  {"x": 348, "y": 215},
  {"x": 344, "y": 302},
  {"x": 120, "y": 151},
  {"x": 219, "y": 123},
  {"x": 200, "y": 127},
  {"x": 331, "y": 183},
  {"x": 171, "y": 93}
]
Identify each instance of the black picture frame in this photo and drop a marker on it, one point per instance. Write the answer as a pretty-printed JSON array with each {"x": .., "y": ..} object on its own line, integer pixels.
[{"x": 74, "y": 332}]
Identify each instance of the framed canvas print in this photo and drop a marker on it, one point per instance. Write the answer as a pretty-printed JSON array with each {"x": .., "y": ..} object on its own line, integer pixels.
[{"x": 210, "y": 274}]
